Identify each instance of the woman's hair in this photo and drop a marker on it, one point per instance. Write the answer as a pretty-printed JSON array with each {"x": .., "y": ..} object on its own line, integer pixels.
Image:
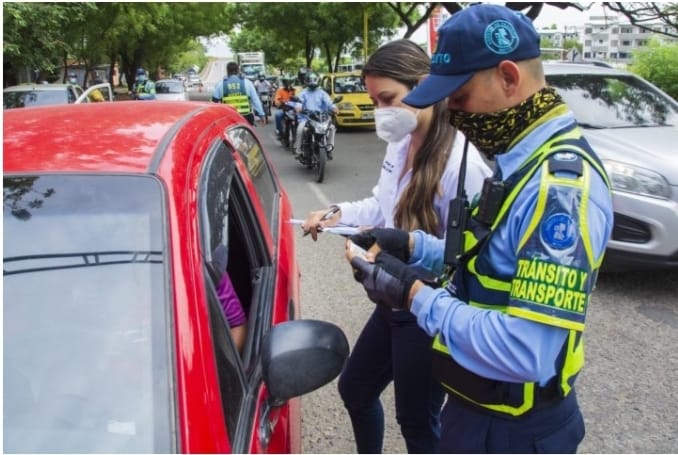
[{"x": 405, "y": 62}]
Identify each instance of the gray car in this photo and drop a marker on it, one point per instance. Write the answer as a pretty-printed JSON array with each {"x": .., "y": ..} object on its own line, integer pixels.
[
  {"x": 170, "y": 90},
  {"x": 633, "y": 127}
]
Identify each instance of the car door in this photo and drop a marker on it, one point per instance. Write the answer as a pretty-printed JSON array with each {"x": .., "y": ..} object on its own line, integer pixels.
[
  {"x": 235, "y": 222},
  {"x": 104, "y": 89}
]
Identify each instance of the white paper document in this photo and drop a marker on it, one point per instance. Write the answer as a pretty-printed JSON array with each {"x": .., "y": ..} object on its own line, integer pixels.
[{"x": 339, "y": 229}]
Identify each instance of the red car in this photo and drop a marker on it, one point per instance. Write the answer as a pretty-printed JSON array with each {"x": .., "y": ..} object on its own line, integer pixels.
[{"x": 114, "y": 336}]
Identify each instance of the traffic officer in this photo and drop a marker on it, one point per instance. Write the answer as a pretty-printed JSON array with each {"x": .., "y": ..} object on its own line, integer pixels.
[
  {"x": 144, "y": 89},
  {"x": 509, "y": 315},
  {"x": 240, "y": 93}
]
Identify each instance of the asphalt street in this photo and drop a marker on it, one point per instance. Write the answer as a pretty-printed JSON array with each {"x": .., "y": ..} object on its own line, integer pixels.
[{"x": 627, "y": 389}]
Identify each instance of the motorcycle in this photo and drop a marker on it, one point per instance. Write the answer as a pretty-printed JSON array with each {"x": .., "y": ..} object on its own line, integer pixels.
[
  {"x": 265, "y": 98},
  {"x": 314, "y": 146},
  {"x": 314, "y": 140},
  {"x": 289, "y": 124}
]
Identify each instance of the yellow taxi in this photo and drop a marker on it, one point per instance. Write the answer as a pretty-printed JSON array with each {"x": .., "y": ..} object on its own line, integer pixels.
[{"x": 356, "y": 107}]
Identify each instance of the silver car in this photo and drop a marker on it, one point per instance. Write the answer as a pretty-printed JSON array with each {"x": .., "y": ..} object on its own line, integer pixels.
[
  {"x": 170, "y": 90},
  {"x": 633, "y": 127}
]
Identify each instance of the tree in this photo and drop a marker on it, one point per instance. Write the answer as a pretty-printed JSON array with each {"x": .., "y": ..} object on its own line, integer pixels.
[
  {"x": 657, "y": 17},
  {"x": 657, "y": 63},
  {"x": 33, "y": 35}
]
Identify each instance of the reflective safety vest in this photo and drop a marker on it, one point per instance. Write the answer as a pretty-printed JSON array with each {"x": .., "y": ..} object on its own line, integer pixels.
[
  {"x": 552, "y": 288},
  {"x": 234, "y": 94}
]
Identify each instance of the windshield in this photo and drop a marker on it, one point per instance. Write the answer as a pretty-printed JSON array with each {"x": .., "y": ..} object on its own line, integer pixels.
[
  {"x": 169, "y": 87},
  {"x": 31, "y": 98},
  {"x": 349, "y": 84},
  {"x": 85, "y": 332},
  {"x": 251, "y": 70},
  {"x": 614, "y": 101}
]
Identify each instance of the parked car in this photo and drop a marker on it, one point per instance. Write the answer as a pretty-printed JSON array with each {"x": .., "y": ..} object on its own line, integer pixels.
[
  {"x": 114, "y": 336},
  {"x": 194, "y": 81},
  {"x": 170, "y": 90},
  {"x": 356, "y": 107},
  {"x": 31, "y": 95},
  {"x": 633, "y": 127}
]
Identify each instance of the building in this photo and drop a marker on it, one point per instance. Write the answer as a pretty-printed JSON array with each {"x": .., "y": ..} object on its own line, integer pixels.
[{"x": 609, "y": 37}]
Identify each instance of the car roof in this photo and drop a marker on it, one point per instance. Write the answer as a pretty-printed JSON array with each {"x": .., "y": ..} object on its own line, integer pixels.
[
  {"x": 37, "y": 87},
  {"x": 552, "y": 68},
  {"x": 97, "y": 137}
]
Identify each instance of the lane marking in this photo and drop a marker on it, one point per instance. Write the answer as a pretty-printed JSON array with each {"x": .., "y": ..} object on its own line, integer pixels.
[{"x": 315, "y": 189}]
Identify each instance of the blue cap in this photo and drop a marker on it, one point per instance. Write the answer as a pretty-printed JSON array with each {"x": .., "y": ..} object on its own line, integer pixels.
[{"x": 474, "y": 39}]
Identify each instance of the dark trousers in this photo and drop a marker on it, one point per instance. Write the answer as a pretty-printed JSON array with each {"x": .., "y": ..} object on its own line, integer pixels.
[
  {"x": 556, "y": 429},
  {"x": 392, "y": 347}
]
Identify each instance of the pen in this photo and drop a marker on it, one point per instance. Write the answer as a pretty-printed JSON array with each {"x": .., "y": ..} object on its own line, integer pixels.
[
  {"x": 330, "y": 213},
  {"x": 334, "y": 209}
]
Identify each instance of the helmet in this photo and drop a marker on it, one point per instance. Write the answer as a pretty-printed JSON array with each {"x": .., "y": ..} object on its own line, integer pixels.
[
  {"x": 262, "y": 76},
  {"x": 140, "y": 72},
  {"x": 286, "y": 81},
  {"x": 72, "y": 78},
  {"x": 313, "y": 80}
]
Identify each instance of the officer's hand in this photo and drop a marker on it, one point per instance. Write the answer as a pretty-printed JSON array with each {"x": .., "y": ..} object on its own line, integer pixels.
[
  {"x": 387, "y": 281},
  {"x": 395, "y": 242}
]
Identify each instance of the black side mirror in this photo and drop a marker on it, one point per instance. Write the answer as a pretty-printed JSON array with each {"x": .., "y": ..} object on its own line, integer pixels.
[
  {"x": 337, "y": 99},
  {"x": 301, "y": 356}
]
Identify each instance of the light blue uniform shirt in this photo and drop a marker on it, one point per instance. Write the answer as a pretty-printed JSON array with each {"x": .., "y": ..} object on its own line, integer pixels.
[
  {"x": 250, "y": 91},
  {"x": 490, "y": 343},
  {"x": 315, "y": 100}
]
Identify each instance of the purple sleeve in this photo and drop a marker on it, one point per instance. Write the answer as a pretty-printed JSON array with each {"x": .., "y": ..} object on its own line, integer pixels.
[{"x": 235, "y": 315}]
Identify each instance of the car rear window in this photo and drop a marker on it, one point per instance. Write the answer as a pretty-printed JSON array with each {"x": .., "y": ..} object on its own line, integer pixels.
[
  {"x": 169, "y": 87},
  {"x": 86, "y": 334},
  {"x": 614, "y": 101},
  {"x": 36, "y": 98}
]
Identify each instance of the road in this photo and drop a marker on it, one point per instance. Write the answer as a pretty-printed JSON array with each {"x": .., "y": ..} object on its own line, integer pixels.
[{"x": 627, "y": 389}]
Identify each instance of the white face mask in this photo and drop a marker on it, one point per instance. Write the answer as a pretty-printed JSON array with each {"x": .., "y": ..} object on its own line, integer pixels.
[{"x": 394, "y": 123}]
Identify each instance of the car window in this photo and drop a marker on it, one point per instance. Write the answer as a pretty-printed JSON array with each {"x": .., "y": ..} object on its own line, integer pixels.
[
  {"x": 231, "y": 240},
  {"x": 327, "y": 84},
  {"x": 85, "y": 359},
  {"x": 260, "y": 173},
  {"x": 31, "y": 98},
  {"x": 169, "y": 87},
  {"x": 77, "y": 91},
  {"x": 613, "y": 101}
]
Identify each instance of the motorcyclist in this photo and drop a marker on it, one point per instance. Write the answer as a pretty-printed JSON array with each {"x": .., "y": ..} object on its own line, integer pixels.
[
  {"x": 239, "y": 92},
  {"x": 282, "y": 96},
  {"x": 262, "y": 85},
  {"x": 144, "y": 88},
  {"x": 264, "y": 89},
  {"x": 313, "y": 98}
]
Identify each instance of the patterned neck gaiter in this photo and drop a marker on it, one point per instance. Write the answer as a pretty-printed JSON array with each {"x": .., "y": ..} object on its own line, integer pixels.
[{"x": 493, "y": 132}]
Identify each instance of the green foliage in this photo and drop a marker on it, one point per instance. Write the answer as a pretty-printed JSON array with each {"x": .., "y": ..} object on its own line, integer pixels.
[
  {"x": 657, "y": 63},
  {"x": 287, "y": 31},
  {"x": 33, "y": 34}
]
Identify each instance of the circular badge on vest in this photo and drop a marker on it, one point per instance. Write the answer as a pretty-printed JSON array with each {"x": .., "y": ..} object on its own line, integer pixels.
[
  {"x": 501, "y": 38},
  {"x": 559, "y": 231}
]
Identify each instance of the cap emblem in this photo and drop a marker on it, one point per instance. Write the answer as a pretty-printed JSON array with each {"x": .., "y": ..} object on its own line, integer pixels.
[{"x": 501, "y": 38}]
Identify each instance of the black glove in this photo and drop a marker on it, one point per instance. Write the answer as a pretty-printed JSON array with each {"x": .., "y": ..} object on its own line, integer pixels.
[
  {"x": 387, "y": 281},
  {"x": 395, "y": 242}
]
